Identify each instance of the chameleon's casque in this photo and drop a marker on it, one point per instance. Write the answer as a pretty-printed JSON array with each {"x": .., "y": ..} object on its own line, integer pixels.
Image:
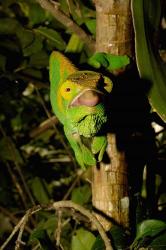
[{"x": 78, "y": 100}]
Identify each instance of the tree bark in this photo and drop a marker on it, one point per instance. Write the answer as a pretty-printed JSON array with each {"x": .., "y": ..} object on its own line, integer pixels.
[
  {"x": 110, "y": 189},
  {"x": 114, "y": 30}
]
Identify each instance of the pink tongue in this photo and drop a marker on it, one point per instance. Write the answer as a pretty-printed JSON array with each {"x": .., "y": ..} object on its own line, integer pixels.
[{"x": 90, "y": 98}]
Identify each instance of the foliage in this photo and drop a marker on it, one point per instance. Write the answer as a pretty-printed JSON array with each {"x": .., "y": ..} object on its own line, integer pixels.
[
  {"x": 149, "y": 62},
  {"x": 36, "y": 164}
]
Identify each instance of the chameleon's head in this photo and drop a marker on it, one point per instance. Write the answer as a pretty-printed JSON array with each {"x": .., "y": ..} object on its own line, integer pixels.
[{"x": 83, "y": 94}]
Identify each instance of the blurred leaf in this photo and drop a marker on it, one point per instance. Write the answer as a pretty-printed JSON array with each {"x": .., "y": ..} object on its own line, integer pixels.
[
  {"x": 119, "y": 237},
  {"x": 34, "y": 12},
  {"x": 79, "y": 11},
  {"x": 91, "y": 25},
  {"x": 98, "y": 244},
  {"x": 81, "y": 195},
  {"x": 75, "y": 45},
  {"x": 33, "y": 73},
  {"x": 26, "y": 37},
  {"x": 50, "y": 224},
  {"x": 2, "y": 62},
  {"x": 8, "y": 26},
  {"x": 43, "y": 238},
  {"x": 8, "y": 151},
  {"x": 53, "y": 36},
  {"x": 30, "y": 43},
  {"x": 75, "y": 10},
  {"x": 146, "y": 20},
  {"x": 39, "y": 59},
  {"x": 16, "y": 123},
  {"x": 64, "y": 6},
  {"x": 9, "y": 44},
  {"x": 150, "y": 227},
  {"x": 151, "y": 233},
  {"x": 82, "y": 240},
  {"x": 6, "y": 192},
  {"x": 45, "y": 136},
  {"x": 39, "y": 189},
  {"x": 47, "y": 222},
  {"x": 5, "y": 225}
]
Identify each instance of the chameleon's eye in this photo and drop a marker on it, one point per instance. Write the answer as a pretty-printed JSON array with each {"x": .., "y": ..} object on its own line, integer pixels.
[{"x": 68, "y": 89}]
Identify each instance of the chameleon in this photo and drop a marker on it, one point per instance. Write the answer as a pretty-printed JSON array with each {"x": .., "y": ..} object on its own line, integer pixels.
[{"x": 78, "y": 100}]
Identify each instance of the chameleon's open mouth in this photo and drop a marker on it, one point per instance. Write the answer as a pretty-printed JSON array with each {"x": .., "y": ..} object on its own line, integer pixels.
[{"x": 88, "y": 97}]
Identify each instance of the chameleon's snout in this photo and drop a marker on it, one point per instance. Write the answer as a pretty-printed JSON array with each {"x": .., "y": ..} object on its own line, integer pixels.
[{"x": 89, "y": 98}]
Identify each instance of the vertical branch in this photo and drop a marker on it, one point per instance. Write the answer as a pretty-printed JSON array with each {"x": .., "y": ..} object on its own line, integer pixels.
[
  {"x": 110, "y": 189},
  {"x": 114, "y": 30}
]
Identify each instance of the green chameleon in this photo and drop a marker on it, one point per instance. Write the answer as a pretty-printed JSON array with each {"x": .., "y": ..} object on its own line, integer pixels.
[{"x": 77, "y": 98}]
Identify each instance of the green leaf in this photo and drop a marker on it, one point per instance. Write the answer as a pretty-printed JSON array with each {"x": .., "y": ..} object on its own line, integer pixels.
[
  {"x": 39, "y": 189},
  {"x": 109, "y": 61},
  {"x": 146, "y": 17},
  {"x": 81, "y": 195},
  {"x": 39, "y": 59},
  {"x": 53, "y": 36},
  {"x": 43, "y": 238},
  {"x": 75, "y": 45},
  {"x": 151, "y": 234},
  {"x": 91, "y": 25},
  {"x": 8, "y": 151},
  {"x": 5, "y": 224},
  {"x": 26, "y": 37},
  {"x": 150, "y": 227},
  {"x": 82, "y": 240},
  {"x": 8, "y": 26},
  {"x": 98, "y": 244},
  {"x": 34, "y": 13},
  {"x": 30, "y": 43},
  {"x": 16, "y": 123},
  {"x": 33, "y": 73},
  {"x": 64, "y": 6},
  {"x": 119, "y": 237},
  {"x": 75, "y": 10}
]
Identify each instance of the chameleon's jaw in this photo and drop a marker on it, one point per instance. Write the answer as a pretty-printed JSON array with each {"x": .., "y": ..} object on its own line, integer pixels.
[{"x": 88, "y": 97}]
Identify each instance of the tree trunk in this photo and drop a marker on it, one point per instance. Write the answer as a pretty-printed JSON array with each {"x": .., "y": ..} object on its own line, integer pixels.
[
  {"x": 114, "y": 31},
  {"x": 110, "y": 190}
]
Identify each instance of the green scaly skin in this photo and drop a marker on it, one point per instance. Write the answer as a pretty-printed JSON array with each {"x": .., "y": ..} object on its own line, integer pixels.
[{"x": 77, "y": 100}]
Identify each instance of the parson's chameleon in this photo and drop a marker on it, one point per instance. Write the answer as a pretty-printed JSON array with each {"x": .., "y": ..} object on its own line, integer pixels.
[{"x": 78, "y": 99}]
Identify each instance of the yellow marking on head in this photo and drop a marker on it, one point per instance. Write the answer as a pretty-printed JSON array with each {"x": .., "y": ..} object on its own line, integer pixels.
[
  {"x": 69, "y": 90},
  {"x": 59, "y": 101}
]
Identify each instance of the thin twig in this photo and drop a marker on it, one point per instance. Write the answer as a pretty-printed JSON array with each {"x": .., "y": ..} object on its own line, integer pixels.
[
  {"x": 14, "y": 220},
  {"x": 17, "y": 185},
  {"x": 79, "y": 174},
  {"x": 59, "y": 228},
  {"x": 55, "y": 128},
  {"x": 56, "y": 206},
  {"x": 67, "y": 22},
  {"x": 16, "y": 228},
  {"x": 87, "y": 213},
  {"x": 48, "y": 123},
  {"x": 22, "y": 227},
  {"x": 18, "y": 168}
]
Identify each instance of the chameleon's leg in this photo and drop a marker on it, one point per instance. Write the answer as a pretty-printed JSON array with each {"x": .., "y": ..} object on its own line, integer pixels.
[
  {"x": 98, "y": 146},
  {"x": 83, "y": 155},
  {"x": 73, "y": 140},
  {"x": 87, "y": 155}
]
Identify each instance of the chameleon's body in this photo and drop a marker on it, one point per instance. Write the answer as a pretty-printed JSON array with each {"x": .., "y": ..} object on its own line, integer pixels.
[{"x": 77, "y": 98}]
